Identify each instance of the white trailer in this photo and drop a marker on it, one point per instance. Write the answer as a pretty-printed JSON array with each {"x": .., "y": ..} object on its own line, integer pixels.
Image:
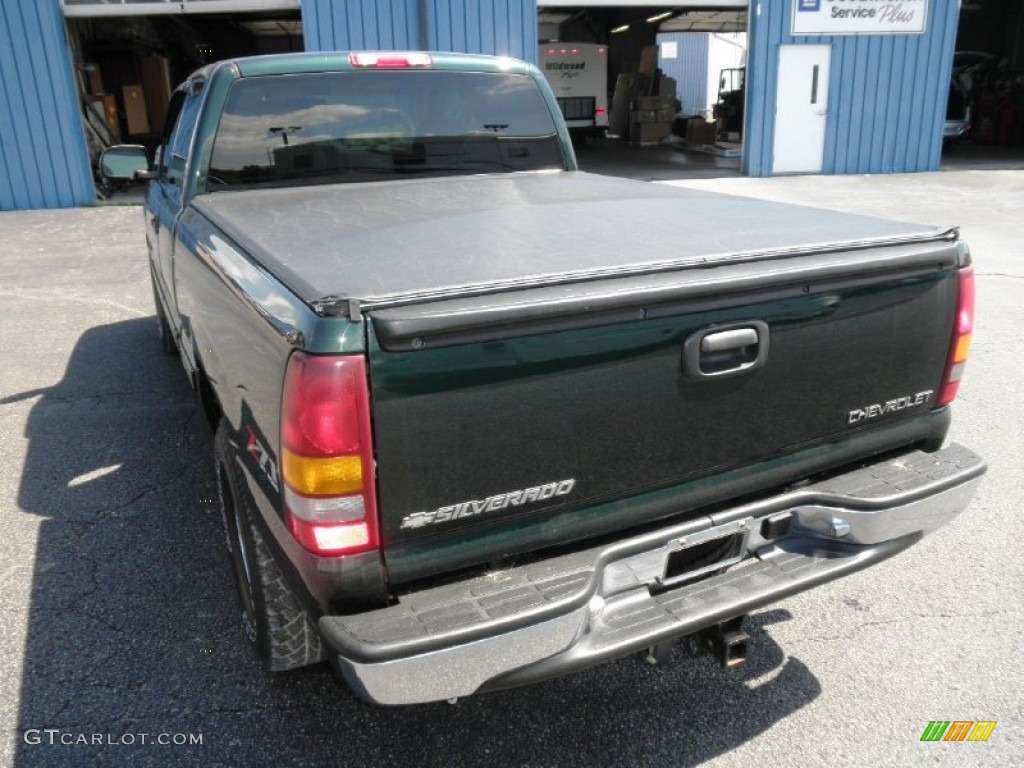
[{"x": 578, "y": 74}]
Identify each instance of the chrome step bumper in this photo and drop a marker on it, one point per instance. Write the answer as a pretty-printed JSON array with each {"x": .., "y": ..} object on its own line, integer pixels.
[{"x": 548, "y": 618}]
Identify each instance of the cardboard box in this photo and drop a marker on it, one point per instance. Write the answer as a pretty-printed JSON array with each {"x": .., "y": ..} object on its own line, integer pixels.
[
  {"x": 656, "y": 102},
  {"x": 700, "y": 131},
  {"x": 644, "y": 116},
  {"x": 649, "y": 133},
  {"x": 108, "y": 106},
  {"x": 156, "y": 84},
  {"x": 135, "y": 110},
  {"x": 627, "y": 86},
  {"x": 665, "y": 115},
  {"x": 649, "y": 60},
  {"x": 94, "y": 77}
]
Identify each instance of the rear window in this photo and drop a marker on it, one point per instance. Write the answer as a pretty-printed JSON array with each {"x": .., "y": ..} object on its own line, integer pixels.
[{"x": 364, "y": 126}]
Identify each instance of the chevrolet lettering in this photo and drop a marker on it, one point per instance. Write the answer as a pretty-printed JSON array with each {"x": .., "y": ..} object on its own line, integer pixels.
[{"x": 876, "y": 410}]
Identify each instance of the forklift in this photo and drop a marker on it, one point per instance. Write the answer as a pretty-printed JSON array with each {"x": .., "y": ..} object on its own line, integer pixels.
[{"x": 728, "y": 112}]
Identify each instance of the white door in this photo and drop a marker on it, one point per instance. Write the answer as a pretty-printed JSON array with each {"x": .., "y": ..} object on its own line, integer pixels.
[{"x": 800, "y": 110}]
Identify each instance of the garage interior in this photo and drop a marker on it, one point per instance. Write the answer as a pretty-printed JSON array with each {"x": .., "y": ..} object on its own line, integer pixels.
[
  {"x": 658, "y": 55},
  {"x": 987, "y": 88},
  {"x": 675, "y": 105},
  {"x": 127, "y": 66}
]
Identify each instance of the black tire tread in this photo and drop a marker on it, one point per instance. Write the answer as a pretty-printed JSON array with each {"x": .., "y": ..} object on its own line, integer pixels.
[
  {"x": 292, "y": 638},
  {"x": 286, "y": 635}
]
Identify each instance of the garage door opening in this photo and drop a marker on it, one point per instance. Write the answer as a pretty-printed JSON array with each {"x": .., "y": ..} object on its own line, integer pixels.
[
  {"x": 673, "y": 75},
  {"x": 126, "y": 66},
  {"x": 984, "y": 125}
]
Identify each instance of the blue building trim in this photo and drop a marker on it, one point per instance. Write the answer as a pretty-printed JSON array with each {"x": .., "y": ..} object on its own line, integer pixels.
[
  {"x": 329, "y": 25},
  {"x": 499, "y": 27},
  {"x": 887, "y": 93},
  {"x": 43, "y": 157}
]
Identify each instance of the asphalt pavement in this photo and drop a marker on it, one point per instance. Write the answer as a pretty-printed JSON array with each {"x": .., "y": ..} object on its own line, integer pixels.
[{"x": 119, "y": 626}]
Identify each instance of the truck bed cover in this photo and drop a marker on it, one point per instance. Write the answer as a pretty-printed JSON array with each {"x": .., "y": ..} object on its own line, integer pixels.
[{"x": 387, "y": 244}]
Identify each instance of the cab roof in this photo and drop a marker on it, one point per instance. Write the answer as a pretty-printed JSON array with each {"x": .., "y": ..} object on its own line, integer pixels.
[{"x": 341, "y": 61}]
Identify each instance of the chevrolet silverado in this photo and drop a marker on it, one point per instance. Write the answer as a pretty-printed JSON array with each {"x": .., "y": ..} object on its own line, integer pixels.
[{"x": 482, "y": 419}]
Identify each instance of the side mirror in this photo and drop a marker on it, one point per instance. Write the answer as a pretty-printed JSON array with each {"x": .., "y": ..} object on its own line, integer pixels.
[{"x": 125, "y": 162}]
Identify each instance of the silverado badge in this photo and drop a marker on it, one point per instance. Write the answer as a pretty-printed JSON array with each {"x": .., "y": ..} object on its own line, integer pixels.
[{"x": 490, "y": 504}]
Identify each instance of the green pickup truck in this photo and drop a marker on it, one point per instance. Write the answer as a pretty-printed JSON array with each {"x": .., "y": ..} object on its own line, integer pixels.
[{"x": 483, "y": 419}]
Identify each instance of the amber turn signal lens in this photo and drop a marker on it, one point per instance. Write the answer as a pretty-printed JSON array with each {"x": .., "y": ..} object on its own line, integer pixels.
[{"x": 333, "y": 476}]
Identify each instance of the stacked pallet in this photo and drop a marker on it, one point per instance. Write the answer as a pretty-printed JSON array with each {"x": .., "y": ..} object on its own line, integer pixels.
[{"x": 651, "y": 118}]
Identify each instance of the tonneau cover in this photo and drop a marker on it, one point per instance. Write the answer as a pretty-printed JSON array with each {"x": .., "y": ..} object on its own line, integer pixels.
[{"x": 382, "y": 241}]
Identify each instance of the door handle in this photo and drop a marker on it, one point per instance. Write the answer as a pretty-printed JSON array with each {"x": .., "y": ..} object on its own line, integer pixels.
[{"x": 722, "y": 351}]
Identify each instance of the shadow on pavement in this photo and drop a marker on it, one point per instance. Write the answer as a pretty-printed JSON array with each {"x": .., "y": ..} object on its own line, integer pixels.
[
  {"x": 612, "y": 157},
  {"x": 133, "y": 625},
  {"x": 117, "y": 469}
]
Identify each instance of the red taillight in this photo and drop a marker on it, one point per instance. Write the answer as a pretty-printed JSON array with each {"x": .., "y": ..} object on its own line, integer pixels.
[
  {"x": 327, "y": 454},
  {"x": 600, "y": 112},
  {"x": 390, "y": 60},
  {"x": 960, "y": 345}
]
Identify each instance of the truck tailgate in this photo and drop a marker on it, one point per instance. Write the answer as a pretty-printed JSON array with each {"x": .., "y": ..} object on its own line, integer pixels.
[{"x": 508, "y": 422}]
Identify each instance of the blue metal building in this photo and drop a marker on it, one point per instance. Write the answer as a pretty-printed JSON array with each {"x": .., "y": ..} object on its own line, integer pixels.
[
  {"x": 886, "y": 93},
  {"x": 504, "y": 27},
  {"x": 43, "y": 160}
]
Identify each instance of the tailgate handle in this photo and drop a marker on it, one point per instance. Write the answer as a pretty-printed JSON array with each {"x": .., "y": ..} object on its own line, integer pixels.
[
  {"x": 723, "y": 351},
  {"x": 723, "y": 340}
]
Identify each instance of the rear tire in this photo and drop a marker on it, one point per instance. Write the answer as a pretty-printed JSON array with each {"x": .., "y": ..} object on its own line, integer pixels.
[{"x": 274, "y": 621}]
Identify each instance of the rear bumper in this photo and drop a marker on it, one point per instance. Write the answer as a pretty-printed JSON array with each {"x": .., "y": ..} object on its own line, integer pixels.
[{"x": 567, "y": 613}]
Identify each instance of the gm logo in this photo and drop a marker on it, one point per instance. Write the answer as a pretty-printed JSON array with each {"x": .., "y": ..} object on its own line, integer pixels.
[{"x": 809, "y": 5}]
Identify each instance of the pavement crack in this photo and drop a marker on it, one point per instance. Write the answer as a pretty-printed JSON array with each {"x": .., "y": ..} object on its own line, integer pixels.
[
  {"x": 1000, "y": 274},
  {"x": 900, "y": 619},
  {"x": 50, "y": 398},
  {"x": 56, "y": 297},
  {"x": 182, "y": 438}
]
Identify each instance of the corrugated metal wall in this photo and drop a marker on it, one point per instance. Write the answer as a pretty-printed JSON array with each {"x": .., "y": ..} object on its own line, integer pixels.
[
  {"x": 689, "y": 68},
  {"x": 887, "y": 93},
  {"x": 501, "y": 27},
  {"x": 328, "y": 25},
  {"x": 43, "y": 160}
]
